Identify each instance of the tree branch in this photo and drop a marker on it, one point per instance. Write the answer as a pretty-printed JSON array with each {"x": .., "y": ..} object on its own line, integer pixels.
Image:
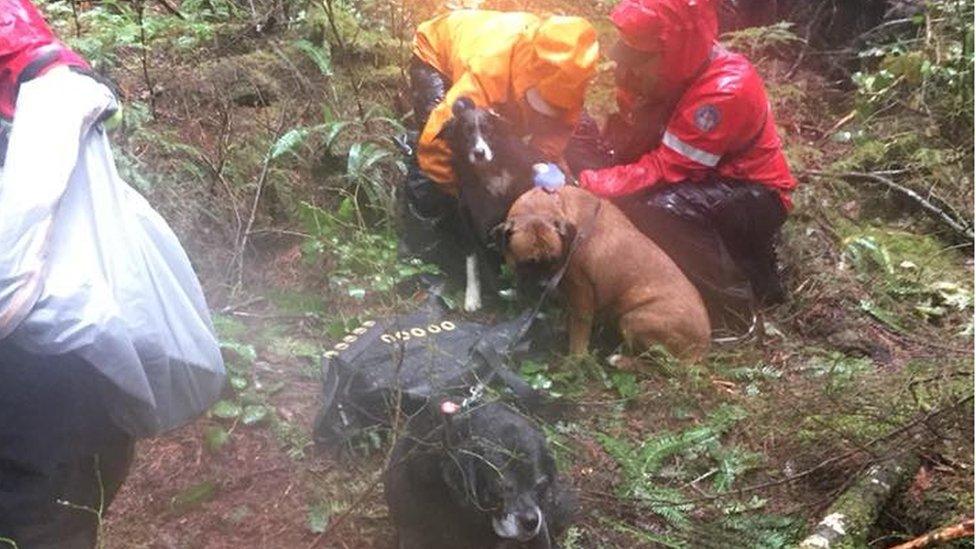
[
  {"x": 262, "y": 179},
  {"x": 962, "y": 530},
  {"x": 956, "y": 225}
]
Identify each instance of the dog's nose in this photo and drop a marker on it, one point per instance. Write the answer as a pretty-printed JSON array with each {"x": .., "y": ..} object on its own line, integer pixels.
[
  {"x": 478, "y": 153},
  {"x": 529, "y": 521}
]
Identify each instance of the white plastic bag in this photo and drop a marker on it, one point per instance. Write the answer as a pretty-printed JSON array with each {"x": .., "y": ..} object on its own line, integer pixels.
[{"x": 88, "y": 267}]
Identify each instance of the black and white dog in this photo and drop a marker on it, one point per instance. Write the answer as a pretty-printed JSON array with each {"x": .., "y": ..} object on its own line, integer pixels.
[
  {"x": 493, "y": 167},
  {"x": 482, "y": 478}
]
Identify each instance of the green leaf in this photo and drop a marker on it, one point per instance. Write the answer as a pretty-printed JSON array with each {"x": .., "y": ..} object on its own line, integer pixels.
[
  {"x": 238, "y": 353},
  {"x": 347, "y": 210},
  {"x": 336, "y": 328},
  {"x": 318, "y": 517},
  {"x": 332, "y": 131},
  {"x": 357, "y": 293},
  {"x": 215, "y": 438},
  {"x": 226, "y": 409},
  {"x": 396, "y": 126},
  {"x": 239, "y": 383},
  {"x": 320, "y": 56},
  {"x": 625, "y": 384},
  {"x": 530, "y": 367},
  {"x": 363, "y": 156},
  {"x": 877, "y": 312},
  {"x": 538, "y": 381},
  {"x": 289, "y": 141},
  {"x": 865, "y": 251},
  {"x": 255, "y": 414},
  {"x": 354, "y": 162}
]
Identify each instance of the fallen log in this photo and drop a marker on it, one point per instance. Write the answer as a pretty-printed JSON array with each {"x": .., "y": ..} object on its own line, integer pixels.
[
  {"x": 948, "y": 533},
  {"x": 851, "y": 516}
]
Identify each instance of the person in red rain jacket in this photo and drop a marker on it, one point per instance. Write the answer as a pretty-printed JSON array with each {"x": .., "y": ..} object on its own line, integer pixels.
[
  {"x": 61, "y": 455},
  {"x": 699, "y": 166}
]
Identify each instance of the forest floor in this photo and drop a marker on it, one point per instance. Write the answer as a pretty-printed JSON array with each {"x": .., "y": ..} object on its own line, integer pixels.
[{"x": 261, "y": 147}]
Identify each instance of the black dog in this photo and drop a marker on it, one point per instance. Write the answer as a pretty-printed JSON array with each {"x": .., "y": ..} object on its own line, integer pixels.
[
  {"x": 478, "y": 479},
  {"x": 493, "y": 167}
]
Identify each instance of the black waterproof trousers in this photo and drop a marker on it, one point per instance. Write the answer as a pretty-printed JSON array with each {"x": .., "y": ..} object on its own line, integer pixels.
[
  {"x": 62, "y": 459},
  {"x": 722, "y": 234},
  {"x": 429, "y": 223}
]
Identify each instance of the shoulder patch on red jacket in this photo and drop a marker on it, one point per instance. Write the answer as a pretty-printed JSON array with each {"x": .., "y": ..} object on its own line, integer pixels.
[{"x": 707, "y": 117}]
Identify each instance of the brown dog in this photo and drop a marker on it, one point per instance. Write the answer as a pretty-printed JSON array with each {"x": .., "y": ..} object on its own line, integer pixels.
[{"x": 614, "y": 270}]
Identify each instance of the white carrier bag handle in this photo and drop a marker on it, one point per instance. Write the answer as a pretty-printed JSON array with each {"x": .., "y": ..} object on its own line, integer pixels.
[{"x": 88, "y": 267}]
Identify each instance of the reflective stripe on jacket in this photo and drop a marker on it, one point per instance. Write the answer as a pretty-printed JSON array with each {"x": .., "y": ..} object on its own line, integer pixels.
[{"x": 722, "y": 126}]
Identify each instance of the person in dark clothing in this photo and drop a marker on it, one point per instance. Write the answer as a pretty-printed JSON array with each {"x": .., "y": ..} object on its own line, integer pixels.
[
  {"x": 102, "y": 339},
  {"x": 62, "y": 459},
  {"x": 693, "y": 157}
]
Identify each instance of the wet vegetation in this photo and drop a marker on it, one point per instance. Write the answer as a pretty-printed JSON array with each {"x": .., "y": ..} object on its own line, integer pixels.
[{"x": 261, "y": 130}]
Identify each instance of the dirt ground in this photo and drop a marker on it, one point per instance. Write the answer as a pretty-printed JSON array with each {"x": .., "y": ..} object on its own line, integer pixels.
[{"x": 267, "y": 488}]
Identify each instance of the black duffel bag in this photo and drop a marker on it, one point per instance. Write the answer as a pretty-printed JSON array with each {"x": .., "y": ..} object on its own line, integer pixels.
[{"x": 420, "y": 357}]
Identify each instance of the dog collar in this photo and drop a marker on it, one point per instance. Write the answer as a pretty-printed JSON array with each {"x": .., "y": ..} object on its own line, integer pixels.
[{"x": 558, "y": 276}]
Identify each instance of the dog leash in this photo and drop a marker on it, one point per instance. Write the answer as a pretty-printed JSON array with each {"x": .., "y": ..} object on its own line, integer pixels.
[{"x": 558, "y": 276}]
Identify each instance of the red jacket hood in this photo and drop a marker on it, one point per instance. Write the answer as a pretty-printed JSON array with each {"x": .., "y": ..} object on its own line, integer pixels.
[
  {"x": 28, "y": 48},
  {"x": 682, "y": 31}
]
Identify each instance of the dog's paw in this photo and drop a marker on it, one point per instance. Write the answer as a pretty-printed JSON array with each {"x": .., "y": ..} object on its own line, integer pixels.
[
  {"x": 621, "y": 362},
  {"x": 472, "y": 301},
  {"x": 472, "y": 291}
]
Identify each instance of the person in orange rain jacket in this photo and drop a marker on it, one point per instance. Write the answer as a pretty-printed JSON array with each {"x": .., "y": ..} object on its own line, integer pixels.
[
  {"x": 695, "y": 159},
  {"x": 533, "y": 70}
]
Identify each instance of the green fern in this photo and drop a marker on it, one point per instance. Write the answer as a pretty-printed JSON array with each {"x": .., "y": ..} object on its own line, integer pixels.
[
  {"x": 642, "y": 466},
  {"x": 319, "y": 55},
  {"x": 732, "y": 463},
  {"x": 751, "y": 529},
  {"x": 289, "y": 141},
  {"x": 667, "y": 503}
]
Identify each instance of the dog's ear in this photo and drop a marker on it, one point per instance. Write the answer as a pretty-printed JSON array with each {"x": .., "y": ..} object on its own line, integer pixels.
[
  {"x": 446, "y": 130},
  {"x": 547, "y": 469},
  {"x": 501, "y": 234},
  {"x": 461, "y": 105},
  {"x": 566, "y": 230},
  {"x": 501, "y": 123}
]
